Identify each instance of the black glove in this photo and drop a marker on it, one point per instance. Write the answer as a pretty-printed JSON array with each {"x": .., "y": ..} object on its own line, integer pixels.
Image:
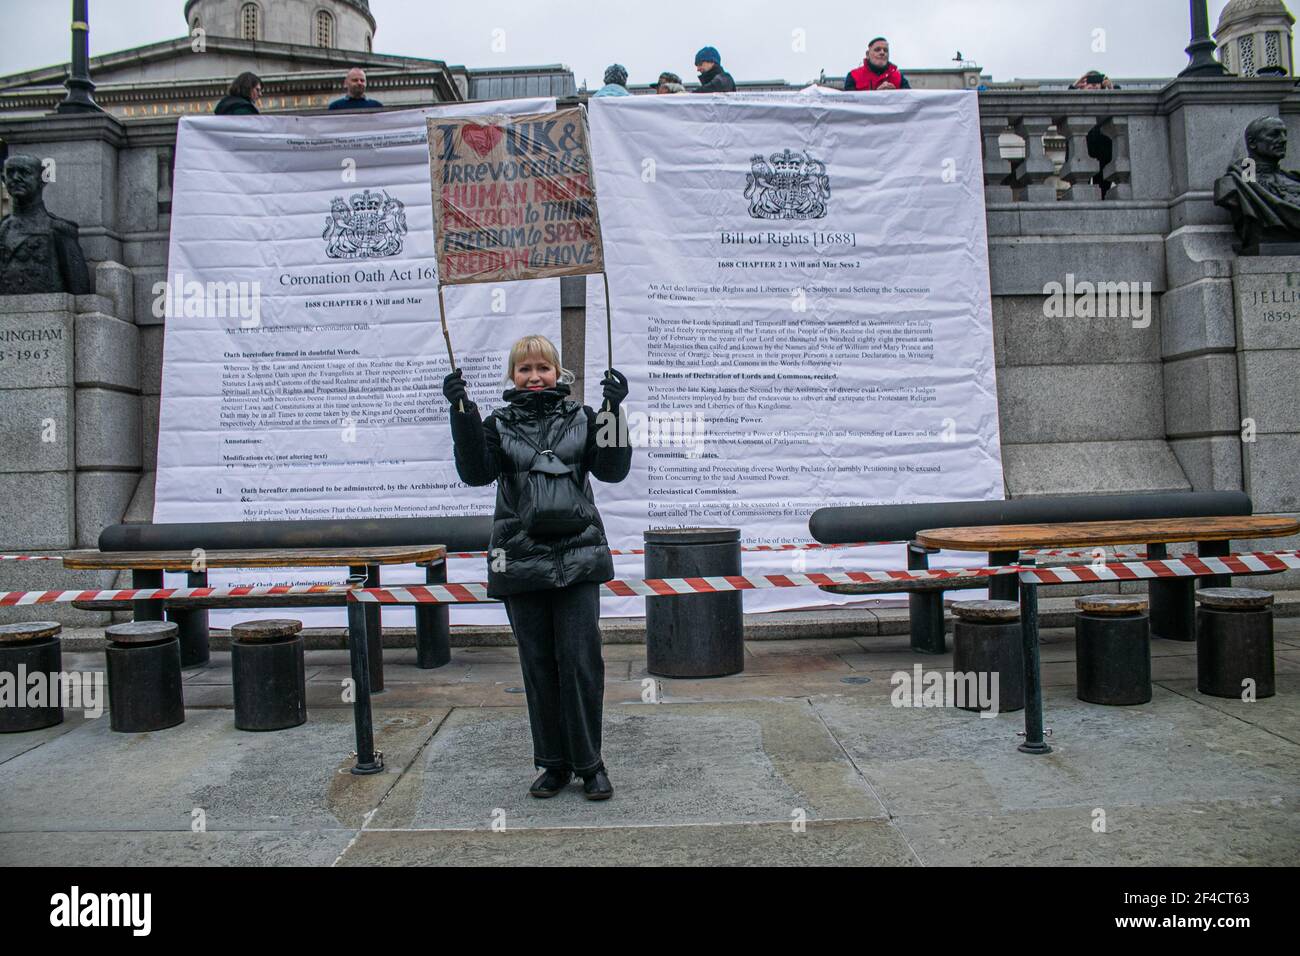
[
  {"x": 615, "y": 387},
  {"x": 453, "y": 389}
]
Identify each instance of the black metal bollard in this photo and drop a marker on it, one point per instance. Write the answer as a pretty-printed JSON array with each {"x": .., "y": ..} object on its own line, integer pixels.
[
  {"x": 694, "y": 635},
  {"x": 144, "y": 677},
  {"x": 1234, "y": 642},
  {"x": 269, "y": 675},
  {"x": 1112, "y": 638},
  {"x": 432, "y": 624},
  {"x": 31, "y": 647},
  {"x": 986, "y": 639}
]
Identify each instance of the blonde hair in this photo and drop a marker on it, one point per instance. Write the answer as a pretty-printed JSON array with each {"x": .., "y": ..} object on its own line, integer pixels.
[{"x": 541, "y": 346}]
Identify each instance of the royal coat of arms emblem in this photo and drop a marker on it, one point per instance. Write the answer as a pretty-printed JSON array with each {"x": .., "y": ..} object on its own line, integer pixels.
[
  {"x": 791, "y": 186},
  {"x": 370, "y": 225}
]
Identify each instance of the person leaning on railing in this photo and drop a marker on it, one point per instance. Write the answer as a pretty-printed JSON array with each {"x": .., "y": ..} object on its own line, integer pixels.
[
  {"x": 243, "y": 96},
  {"x": 876, "y": 71},
  {"x": 1100, "y": 147}
]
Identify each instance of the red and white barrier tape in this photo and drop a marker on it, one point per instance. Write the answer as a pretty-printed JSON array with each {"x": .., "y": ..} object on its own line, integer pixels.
[
  {"x": 24, "y": 598},
  {"x": 1259, "y": 562},
  {"x": 667, "y": 587},
  {"x": 1253, "y": 562},
  {"x": 31, "y": 557}
]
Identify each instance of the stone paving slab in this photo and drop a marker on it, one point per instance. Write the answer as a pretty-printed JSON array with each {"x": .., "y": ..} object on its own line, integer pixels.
[
  {"x": 95, "y": 779},
  {"x": 823, "y": 843},
  {"x": 670, "y": 764},
  {"x": 1172, "y": 750},
  {"x": 12, "y": 745},
  {"x": 714, "y": 774},
  {"x": 1279, "y": 714},
  {"x": 170, "y": 848},
  {"x": 1224, "y": 833}
]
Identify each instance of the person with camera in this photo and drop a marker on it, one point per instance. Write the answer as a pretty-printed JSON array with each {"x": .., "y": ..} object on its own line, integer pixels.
[{"x": 548, "y": 553}]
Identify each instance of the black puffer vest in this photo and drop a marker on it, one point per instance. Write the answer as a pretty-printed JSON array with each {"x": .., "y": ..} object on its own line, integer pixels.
[{"x": 553, "y": 422}]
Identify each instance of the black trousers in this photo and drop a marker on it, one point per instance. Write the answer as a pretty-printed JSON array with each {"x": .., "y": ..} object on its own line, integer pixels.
[{"x": 558, "y": 633}]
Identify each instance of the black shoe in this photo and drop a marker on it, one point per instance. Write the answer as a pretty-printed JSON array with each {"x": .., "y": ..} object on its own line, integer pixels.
[
  {"x": 597, "y": 786},
  {"x": 550, "y": 783}
]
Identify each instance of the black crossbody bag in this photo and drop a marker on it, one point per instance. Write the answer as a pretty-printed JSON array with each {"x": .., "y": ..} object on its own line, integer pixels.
[{"x": 552, "y": 503}]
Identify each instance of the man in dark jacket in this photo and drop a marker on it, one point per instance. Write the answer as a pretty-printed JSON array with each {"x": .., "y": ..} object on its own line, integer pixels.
[
  {"x": 713, "y": 78},
  {"x": 876, "y": 72},
  {"x": 242, "y": 98},
  {"x": 354, "y": 84}
]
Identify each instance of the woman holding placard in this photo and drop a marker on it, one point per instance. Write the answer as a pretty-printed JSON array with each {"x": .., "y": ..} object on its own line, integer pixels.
[{"x": 548, "y": 553}]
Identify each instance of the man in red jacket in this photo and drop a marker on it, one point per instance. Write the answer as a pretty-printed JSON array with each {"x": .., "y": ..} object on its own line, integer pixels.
[{"x": 876, "y": 72}]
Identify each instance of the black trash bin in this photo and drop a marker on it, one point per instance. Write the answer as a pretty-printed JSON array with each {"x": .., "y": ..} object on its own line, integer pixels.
[{"x": 694, "y": 635}]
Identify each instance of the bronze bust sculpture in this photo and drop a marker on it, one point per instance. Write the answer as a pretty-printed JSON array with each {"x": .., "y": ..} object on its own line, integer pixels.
[
  {"x": 1264, "y": 198},
  {"x": 39, "y": 251}
]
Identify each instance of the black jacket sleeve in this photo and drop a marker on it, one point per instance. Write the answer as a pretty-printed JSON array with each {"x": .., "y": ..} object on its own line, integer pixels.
[
  {"x": 608, "y": 459},
  {"x": 849, "y": 82},
  {"x": 476, "y": 445},
  {"x": 906, "y": 85}
]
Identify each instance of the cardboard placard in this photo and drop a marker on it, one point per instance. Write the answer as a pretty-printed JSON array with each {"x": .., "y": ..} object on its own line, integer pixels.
[{"x": 513, "y": 197}]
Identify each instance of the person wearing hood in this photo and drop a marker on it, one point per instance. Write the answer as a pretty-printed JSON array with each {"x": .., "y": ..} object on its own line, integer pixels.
[
  {"x": 242, "y": 97},
  {"x": 713, "y": 78},
  {"x": 876, "y": 72},
  {"x": 615, "y": 82},
  {"x": 548, "y": 555}
]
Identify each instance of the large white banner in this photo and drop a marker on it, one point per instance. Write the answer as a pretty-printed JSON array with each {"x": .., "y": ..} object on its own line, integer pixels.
[
  {"x": 303, "y": 357},
  {"x": 801, "y": 302}
]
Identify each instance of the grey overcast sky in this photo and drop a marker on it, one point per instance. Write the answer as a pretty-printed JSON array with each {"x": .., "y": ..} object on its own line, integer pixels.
[{"x": 757, "y": 38}]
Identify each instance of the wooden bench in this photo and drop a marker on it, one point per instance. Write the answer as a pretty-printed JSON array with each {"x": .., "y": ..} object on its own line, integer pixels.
[
  {"x": 191, "y": 614},
  {"x": 1213, "y": 534},
  {"x": 901, "y": 523},
  {"x": 1173, "y": 605}
]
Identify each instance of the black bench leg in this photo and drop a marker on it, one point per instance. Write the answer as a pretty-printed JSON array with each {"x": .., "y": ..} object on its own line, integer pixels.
[
  {"x": 432, "y": 628},
  {"x": 1214, "y": 549},
  {"x": 374, "y": 630},
  {"x": 147, "y": 610},
  {"x": 368, "y": 761},
  {"x": 924, "y": 608},
  {"x": 1034, "y": 743},
  {"x": 1172, "y": 601},
  {"x": 192, "y": 625},
  {"x": 1004, "y": 587}
]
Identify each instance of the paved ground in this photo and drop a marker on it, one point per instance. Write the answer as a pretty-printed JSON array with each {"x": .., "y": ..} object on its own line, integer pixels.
[{"x": 800, "y": 760}]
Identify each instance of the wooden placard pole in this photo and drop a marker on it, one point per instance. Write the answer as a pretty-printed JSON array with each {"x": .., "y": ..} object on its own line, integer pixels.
[{"x": 446, "y": 335}]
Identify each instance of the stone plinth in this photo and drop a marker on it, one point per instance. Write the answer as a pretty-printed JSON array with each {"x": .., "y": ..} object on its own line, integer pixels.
[
  {"x": 1266, "y": 292},
  {"x": 37, "y": 445}
]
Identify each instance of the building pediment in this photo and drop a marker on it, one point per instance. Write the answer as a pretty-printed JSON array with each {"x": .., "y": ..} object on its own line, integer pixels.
[{"x": 146, "y": 63}]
